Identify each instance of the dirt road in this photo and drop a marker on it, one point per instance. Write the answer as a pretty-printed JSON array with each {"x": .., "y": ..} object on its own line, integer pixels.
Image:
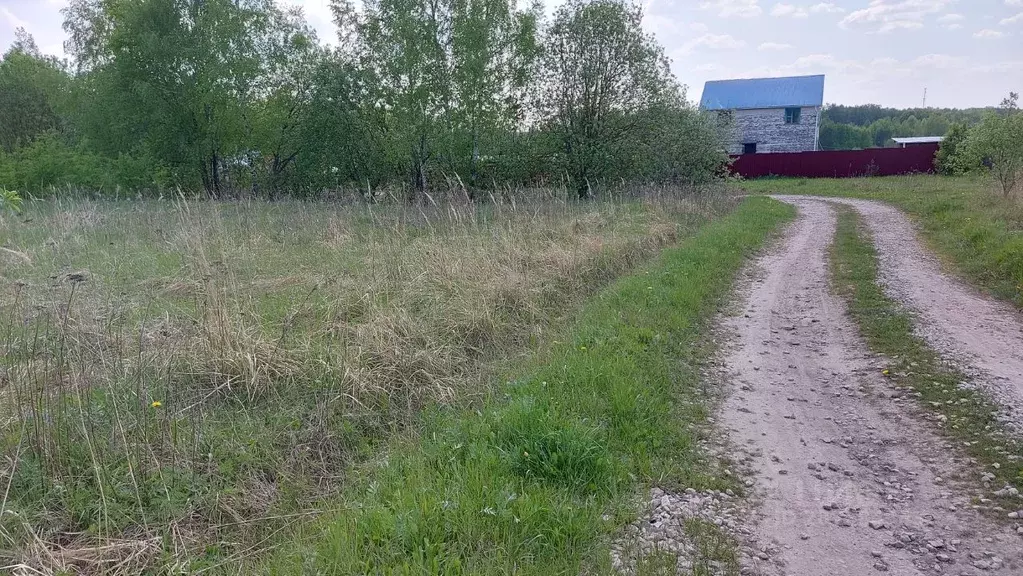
[
  {"x": 850, "y": 480},
  {"x": 984, "y": 336}
]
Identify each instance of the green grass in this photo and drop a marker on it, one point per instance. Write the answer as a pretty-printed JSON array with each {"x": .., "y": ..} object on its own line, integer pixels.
[
  {"x": 538, "y": 478},
  {"x": 285, "y": 343},
  {"x": 963, "y": 414},
  {"x": 974, "y": 229}
]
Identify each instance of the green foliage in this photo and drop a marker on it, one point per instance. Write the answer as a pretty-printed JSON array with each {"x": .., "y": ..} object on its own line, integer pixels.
[
  {"x": 836, "y": 136},
  {"x": 48, "y": 165},
  {"x": 607, "y": 94},
  {"x": 239, "y": 97},
  {"x": 853, "y": 127},
  {"x": 954, "y": 157},
  {"x": 32, "y": 91},
  {"x": 998, "y": 141},
  {"x": 10, "y": 200}
]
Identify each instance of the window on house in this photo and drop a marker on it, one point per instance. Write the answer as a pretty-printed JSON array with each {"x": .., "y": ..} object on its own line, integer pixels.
[
  {"x": 793, "y": 115},
  {"x": 750, "y": 148}
]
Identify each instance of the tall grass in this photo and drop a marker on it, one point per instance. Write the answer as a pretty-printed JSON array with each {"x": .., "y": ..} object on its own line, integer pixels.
[
  {"x": 182, "y": 380},
  {"x": 540, "y": 478}
]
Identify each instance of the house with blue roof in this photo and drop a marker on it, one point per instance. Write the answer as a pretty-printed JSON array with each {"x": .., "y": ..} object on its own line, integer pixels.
[{"x": 768, "y": 114}]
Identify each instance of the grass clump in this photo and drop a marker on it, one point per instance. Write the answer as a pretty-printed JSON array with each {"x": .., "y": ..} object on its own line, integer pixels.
[
  {"x": 969, "y": 224},
  {"x": 537, "y": 479},
  {"x": 180, "y": 382},
  {"x": 962, "y": 413}
]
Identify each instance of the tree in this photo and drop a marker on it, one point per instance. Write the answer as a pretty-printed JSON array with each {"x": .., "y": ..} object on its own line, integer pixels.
[
  {"x": 599, "y": 71},
  {"x": 1010, "y": 104},
  {"x": 998, "y": 140},
  {"x": 181, "y": 76},
  {"x": 283, "y": 91},
  {"x": 836, "y": 136},
  {"x": 443, "y": 76},
  {"x": 32, "y": 88}
]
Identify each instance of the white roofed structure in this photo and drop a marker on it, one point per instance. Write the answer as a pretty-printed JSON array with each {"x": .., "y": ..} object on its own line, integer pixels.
[{"x": 903, "y": 142}]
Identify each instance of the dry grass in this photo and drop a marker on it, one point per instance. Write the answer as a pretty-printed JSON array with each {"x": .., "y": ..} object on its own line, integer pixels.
[{"x": 180, "y": 381}]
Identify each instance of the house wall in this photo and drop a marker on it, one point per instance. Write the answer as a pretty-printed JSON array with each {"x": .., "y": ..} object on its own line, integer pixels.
[{"x": 767, "y": 128}]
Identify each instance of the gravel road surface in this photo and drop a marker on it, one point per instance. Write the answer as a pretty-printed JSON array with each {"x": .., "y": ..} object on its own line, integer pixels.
[{"x": 851, "y": 480}]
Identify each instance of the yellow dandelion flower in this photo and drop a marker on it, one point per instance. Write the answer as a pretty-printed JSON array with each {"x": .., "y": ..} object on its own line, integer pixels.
[{"x": 156, "y": 404}]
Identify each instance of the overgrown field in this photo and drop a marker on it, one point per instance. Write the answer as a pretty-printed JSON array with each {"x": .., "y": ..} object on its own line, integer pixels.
[
  {"x": 542, "y": 477},
  {"x": 966, "y": 220},
  {"x": 183, "y": 382}
]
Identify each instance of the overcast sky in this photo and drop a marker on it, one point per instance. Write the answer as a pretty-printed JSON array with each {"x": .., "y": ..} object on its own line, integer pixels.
[{"x": 964, "y": 52}]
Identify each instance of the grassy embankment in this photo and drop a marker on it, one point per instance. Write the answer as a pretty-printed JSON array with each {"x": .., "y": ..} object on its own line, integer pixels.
[
  {"x": 536, "y": 480},
  {"x": 962, "y": 413},
  {"x": 974, "y": 229},
  {"x": 184, "y": 382}
]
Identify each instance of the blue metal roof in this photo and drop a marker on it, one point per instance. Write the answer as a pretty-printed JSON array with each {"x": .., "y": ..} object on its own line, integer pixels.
[{"x": 763, "y": 93}]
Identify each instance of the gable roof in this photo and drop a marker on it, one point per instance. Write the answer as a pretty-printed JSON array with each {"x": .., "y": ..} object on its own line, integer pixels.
[{"x": 763, "y": 93}]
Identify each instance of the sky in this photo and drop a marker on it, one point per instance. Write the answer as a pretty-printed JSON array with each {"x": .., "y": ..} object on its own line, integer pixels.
[{"x": 964, "y": 53}]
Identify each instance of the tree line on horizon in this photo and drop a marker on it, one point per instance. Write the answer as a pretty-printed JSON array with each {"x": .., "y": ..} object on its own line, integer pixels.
[
  {"x": 240, "y": 97},
  {"x": 873, "y": 126}
]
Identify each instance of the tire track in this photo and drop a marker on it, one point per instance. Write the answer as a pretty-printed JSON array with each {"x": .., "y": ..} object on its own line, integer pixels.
[{"x": 850, "y": 483}]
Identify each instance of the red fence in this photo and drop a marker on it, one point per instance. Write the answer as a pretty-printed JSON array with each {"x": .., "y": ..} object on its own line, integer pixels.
[{"x": 839, "y": 163}]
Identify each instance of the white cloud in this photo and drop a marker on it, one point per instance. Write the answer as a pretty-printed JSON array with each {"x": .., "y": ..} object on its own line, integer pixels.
[
  {"x": 949, "y": 18},
  {"x": 1014, "y": 2},
  {"x": 939, "y": 61},
  {"x": 738, "y": 8},
  {"x": 814, "y": 61},
  {"x": 12, "y": 19},
  {"x": 826, "y": 8},
  {"x": 888, "y": 15},
  {"x": 1012, "y": 20},
  {"x": 953, "y": 26},
  {"x": 713, "y": 42},
  {"x": 988, "y": 34},
  {"x": 773, "y": 47},
  {"x": 789, "y": 10}
]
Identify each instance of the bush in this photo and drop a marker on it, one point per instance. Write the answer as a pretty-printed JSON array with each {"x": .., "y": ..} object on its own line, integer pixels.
[
  {"x": 954, "y": 158},
  {"x": 48, "y": 163},
  {"x": 998, "y": 140}
]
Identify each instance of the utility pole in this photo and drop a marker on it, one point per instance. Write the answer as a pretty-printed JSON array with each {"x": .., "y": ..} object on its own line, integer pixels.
[{"x": 925, "y": 98}]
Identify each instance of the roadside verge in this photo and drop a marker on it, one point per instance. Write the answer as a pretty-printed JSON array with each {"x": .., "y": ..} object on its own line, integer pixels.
[{"x": 537, "y": 480}]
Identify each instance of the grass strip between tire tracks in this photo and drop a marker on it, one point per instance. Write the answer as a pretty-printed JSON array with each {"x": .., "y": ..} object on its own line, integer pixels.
[
  {"x": 963, "y": 414},
  {"x": 537, "y": 480},
  {"x": 970, "y": 226}
]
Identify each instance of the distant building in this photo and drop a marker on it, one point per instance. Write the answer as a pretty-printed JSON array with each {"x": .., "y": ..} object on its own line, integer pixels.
[
  {"x": 769, "y": 114},
  {"x": 917, "y": 141}
]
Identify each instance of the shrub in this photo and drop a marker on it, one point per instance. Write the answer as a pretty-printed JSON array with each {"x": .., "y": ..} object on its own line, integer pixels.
[
  {"x": 998, "y": 140},
  {"x": 48, "y": 163},
  {"x": 954, "y": 158}
]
